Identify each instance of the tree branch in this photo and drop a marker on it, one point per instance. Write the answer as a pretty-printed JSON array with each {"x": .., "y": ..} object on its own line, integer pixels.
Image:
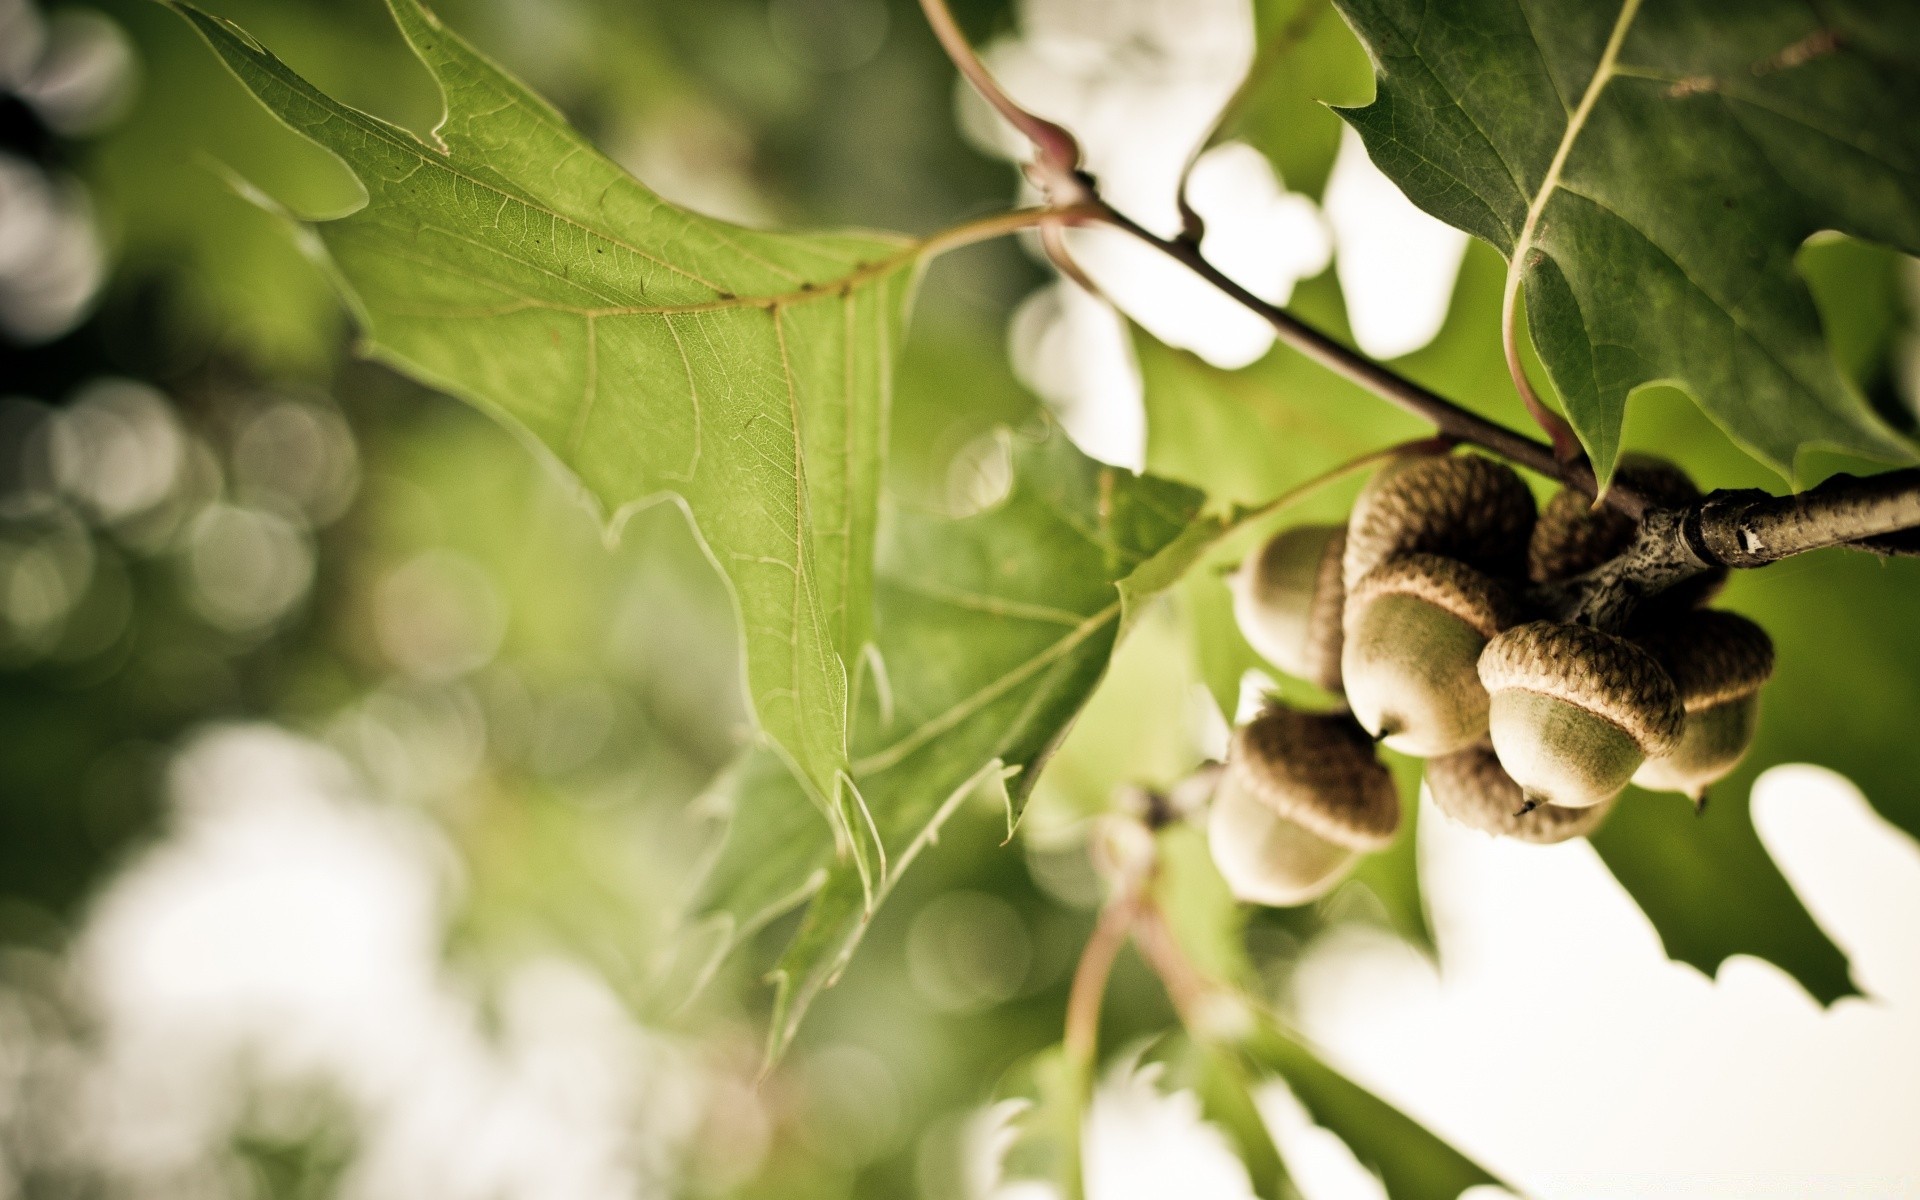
[{"x": 1743, "y": 530}]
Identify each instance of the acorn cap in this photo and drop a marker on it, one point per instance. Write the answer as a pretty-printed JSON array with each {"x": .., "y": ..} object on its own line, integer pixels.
[
  {"x": 1462, "y": 506},
  {"x": 1712, "y": 656},
  {"x": 1573, "y": 537},
  {"x": 1445, "y": 583},
  {"x": 1320, "y": 771},
  {"x": 1598, "y": 672},
  {"x": 1474, "y": 789}
]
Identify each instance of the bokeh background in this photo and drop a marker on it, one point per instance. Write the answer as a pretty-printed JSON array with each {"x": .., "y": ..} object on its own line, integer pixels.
[{"x": 351, "y": 778}]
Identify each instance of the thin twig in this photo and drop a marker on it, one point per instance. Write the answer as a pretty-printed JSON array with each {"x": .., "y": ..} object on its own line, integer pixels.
[
  {"x": 1056, "y": 162},
  {"x": 1450, "y": 419},
  {"x": 1272, "y": 53},
  {"x": 1082, "y": 1039},
  {"x": 1020, "y": 220}
]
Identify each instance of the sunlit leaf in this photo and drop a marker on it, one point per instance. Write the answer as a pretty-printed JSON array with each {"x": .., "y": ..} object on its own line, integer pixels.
[
  {"x": 993, "y": 631},
  {"x": 1651, "y": 170},
  {"x": 650, "y": 350}
]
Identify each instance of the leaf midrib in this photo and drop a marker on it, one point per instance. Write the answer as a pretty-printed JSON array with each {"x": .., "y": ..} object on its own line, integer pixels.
[{"x": 1603, "y": 73}]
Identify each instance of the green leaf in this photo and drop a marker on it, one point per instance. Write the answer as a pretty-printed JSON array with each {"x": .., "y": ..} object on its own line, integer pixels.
[
  {"x": 1413, "y": 1162},
  {"x": 651, "y": 351},
  {"x": 993, "y": 631},
  {"x": 1650, "y": 171},
  {"x": 1305, "y": 59}
]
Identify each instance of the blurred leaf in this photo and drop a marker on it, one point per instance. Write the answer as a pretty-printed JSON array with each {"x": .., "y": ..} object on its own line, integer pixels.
[
  {"x": 652, "y": 351},
  {"x": 1226, "y": 1098},
  {"x": 1207, "y": 923},
  {"x": 1655, "y": 229},
  {"x": 993, "y": 631},
  {"x": 1843, "y": 696},
  {"x": 1049, "y": 1127}
]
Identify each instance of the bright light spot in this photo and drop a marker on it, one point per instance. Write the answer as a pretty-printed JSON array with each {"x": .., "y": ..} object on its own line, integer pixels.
[
  {"x": 438, "y": 616},
  {"x": 419, "y": 744},
  {"x": 1074, "y": 352},
  {"x": 1396, "y": 264},
  {"x": 117, "y": 448},
  {"x": 967, "y": 951},
  {"x": 84, "y": 79},
  {"x": 51, "y": 262},
  {"x": 22, "y": 36},
  {"x": 851, "y": 1114},
  {"x": 286, "y": 937},
  {"x": 298, "y": 452},
  {"x": 46, "y": 566},
  {"x": 247, "y": 567}
]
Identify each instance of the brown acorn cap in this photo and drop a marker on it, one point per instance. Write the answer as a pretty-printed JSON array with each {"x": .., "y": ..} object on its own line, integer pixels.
[
  {"x": 1572, "y": 537},
  {"x": 1603, "y": 674},
  {"x": 1445, "y": 583},
  {"x": 1320, "y": 771},
  {"x": 1324, "y": 620},
  {"x": 1713, "y": 656},
  {"x": 1473, "y": 789},
  {"x": 1463, "y": 506}
]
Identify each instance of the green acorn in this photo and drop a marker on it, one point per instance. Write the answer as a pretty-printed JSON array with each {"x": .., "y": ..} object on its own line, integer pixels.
[
  {"x": 1718, "y": 662},
  {"x": 1574, "y": 711},
  {"x": 1302, "y": 796},
  {"x": 1287, "y": 598},
  {"x": 1415, "y": 627},
  {"x": 1471, "y": 787},
  {"x": 1463, "y": 506}
]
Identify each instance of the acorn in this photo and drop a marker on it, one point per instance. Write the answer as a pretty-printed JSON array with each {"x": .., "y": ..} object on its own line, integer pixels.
[
  {"x": 1287, "y": 598},
  {"x": 1718, "y": 662},
  {"x": 1415, "y": 627},
  {"x": 1573, "y": 537},
  {"x": 1575, "y": 711},
  {"x": 1471, "y": 787},
  {"x": 1302, "y": 797},
  {"x": 1462, "y": 506}
]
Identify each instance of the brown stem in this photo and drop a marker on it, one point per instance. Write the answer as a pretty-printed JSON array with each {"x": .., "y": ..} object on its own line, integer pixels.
[
  {"x": 1185, "y": 986},
  {"x": 1566, "y": 447},
  {"x": 1090, "y": 977},
  {"x": 1081, "y": 1041},
  {"x": 1449, "y": 418},
  {"x": 1056, "y": 153}
]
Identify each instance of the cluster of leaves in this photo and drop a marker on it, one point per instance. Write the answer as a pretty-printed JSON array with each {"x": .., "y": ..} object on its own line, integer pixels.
[{"x": 1650, "y": 184}]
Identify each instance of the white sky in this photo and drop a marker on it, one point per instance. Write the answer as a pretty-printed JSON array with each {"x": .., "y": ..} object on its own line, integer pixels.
[{"x": 1560, "y": 1046}]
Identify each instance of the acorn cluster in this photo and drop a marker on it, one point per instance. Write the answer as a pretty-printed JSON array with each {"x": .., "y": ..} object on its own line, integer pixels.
[{"x": 1416, "y": 612}]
